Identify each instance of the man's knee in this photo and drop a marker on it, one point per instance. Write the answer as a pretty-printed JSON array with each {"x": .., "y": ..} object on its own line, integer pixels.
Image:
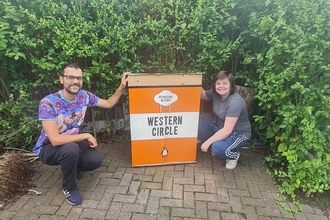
[
  {"x": 70, "y": 150},
  {"x": 92, "y": 162},
  {"x": 97, "y": 161}
]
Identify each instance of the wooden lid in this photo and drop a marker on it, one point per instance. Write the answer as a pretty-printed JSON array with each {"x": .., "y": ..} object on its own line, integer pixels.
[{"x": 164, "y": 79}]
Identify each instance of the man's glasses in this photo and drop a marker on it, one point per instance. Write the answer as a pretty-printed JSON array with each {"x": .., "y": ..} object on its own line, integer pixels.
[{"x": 70, "y": 78}]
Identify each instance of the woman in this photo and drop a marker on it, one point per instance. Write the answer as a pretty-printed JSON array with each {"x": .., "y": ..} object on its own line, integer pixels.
[{"x": 229, "y": 129}]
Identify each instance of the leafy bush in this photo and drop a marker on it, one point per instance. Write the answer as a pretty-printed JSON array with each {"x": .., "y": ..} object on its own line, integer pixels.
[
  {"x": 294, "y": 92},
  {"x": 18, "y": 122}
]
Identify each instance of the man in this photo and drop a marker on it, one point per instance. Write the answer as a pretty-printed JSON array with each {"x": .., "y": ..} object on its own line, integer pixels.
[{"x": 62, "y": 115}]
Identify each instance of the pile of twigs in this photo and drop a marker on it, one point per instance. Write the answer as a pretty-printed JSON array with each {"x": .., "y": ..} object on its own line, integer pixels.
[{"x": 17, "y": 170}]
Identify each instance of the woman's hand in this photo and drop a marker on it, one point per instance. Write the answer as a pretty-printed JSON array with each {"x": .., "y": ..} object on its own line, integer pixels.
[{"x": 205, "y": 146}]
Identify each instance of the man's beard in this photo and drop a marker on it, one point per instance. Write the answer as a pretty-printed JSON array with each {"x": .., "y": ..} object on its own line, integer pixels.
[{"x": 70, "y": 92}]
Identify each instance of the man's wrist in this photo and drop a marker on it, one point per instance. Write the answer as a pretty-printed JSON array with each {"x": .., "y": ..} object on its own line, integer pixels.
[{"x": 120, "y": 89}]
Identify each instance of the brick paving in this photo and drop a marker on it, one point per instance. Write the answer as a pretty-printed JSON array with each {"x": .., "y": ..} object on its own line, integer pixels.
[{"x": 202, "y": 190}]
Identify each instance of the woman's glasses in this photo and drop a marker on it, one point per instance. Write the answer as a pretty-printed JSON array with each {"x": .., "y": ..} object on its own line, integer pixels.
[{"x": 70, "y": 78}]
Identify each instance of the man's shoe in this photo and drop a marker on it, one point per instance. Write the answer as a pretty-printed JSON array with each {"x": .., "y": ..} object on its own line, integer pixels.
[
  {"x": 231, "y": 164},
  {"x": 73, "y": 197}
]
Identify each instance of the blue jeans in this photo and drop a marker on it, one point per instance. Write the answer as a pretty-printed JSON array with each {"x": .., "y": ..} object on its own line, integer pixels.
[{"x": 226, "y": 148}]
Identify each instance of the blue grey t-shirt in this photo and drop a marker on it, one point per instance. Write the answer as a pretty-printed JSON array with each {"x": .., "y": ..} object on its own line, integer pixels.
[{"x": 233, "y": 106}]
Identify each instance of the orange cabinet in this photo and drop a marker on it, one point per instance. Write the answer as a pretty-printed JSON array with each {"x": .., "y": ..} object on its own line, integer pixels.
[{"x": 164, "y": 114}]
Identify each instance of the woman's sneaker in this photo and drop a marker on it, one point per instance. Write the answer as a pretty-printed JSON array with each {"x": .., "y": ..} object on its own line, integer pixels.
[
  {"x": 73, "y": 197},
  {"x": 231, "y": 164}
]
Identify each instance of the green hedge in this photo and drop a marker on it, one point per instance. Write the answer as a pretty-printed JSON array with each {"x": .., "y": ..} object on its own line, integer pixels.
[
  {"x": 279, "y": 47},
  {"x": 293, "y": 91}
]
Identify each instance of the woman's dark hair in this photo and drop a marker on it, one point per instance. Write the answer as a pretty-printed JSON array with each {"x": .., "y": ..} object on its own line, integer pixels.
[
  {"x": 71, "y": 65},
  {"x": 223, "y": 75}
]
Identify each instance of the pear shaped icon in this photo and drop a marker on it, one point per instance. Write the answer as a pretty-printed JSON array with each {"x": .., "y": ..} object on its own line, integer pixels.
[{"x": 164, "y": 152}]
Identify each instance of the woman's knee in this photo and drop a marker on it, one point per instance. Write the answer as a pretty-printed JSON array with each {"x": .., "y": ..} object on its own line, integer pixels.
[
  {"x": 219, "y": 150},
  {"x": 205, "y": 129},
  {"x": 206, "y": 121}
]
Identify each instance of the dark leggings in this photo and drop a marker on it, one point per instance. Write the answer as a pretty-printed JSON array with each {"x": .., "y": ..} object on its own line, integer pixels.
[{"x": 73, "y": 158}]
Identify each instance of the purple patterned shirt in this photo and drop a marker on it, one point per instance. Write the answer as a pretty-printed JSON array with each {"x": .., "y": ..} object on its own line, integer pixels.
[{"x": 69, "y": 115}]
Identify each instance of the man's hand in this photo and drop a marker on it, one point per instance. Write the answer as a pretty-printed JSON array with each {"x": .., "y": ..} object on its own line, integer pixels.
[
  {"x": 92, "y": 141},
  {"x": 124, "y": 80}
]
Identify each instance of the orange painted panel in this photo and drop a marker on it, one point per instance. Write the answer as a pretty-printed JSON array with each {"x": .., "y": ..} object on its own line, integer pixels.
[
  {"x": 163, "y": 151},
  {"x": 142, "y": 100}
]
